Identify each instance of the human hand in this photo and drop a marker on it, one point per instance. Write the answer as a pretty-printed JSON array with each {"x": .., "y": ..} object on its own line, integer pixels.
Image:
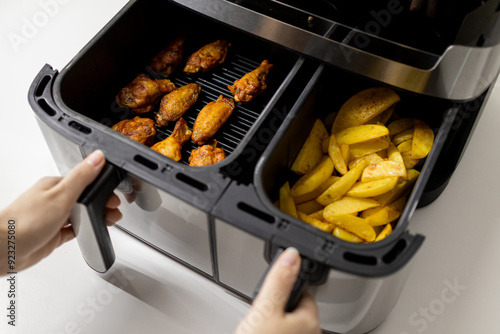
[
  {"x": 41, "y": 214},
  {"x": 267, "y": 314}
]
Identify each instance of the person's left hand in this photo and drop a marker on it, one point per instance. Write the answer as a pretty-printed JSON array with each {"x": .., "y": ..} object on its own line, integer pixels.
[{"x": 41, "y": 214}]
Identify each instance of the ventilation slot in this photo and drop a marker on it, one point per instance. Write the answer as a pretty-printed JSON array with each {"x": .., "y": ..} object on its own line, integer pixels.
[
  {"x": 256, "y": 212},
  {"x": 80, "y": 127},
  {"x": 41, "y": 86},
  {"x": 192, "y": 182},
  {"x": 45, "y": 107},
  {"x": 361, "y": 259},
  {"x": 393, "y": 253},
  {"x": 146, "y": 162}
]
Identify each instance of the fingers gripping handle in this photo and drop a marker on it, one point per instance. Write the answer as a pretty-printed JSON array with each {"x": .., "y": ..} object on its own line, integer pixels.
[
  {"x": 87, "y": 219},
  {"x": 300, "y": 284}
]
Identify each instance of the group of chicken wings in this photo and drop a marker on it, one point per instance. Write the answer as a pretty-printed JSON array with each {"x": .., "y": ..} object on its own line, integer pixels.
[{"x": 143, "y": 93}]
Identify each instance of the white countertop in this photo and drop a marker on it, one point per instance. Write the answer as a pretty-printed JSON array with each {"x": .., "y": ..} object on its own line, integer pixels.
[{"x": 62, "y": 295}]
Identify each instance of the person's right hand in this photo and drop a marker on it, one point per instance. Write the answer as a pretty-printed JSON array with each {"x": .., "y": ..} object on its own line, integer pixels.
[{"x": 267, "y": 314}]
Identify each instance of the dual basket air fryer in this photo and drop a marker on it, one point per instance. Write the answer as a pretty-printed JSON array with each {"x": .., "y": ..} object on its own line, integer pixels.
[{"x": 317, "y": 67}]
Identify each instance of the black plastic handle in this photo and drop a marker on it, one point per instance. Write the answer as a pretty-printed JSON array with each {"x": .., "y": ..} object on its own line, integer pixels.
[
  {"x": 300, "y": 285},
  {"x": 87, "y": 219}
]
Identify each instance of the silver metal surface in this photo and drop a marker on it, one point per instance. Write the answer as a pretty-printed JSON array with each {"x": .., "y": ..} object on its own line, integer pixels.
[{"x": 460, "y": 73}]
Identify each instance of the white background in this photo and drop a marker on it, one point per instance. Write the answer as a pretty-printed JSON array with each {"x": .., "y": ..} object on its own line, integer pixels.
[{"x": 62, "y": 295}]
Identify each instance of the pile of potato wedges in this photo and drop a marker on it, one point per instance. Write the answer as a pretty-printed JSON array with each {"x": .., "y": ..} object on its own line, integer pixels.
[{"x": 355, "y": 178}]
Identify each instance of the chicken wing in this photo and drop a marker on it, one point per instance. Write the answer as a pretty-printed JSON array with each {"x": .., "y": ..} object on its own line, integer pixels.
[
  {"x": 167, "y": 60},
  {"x": 251, "y": 84},
  {"x": 172, "y": 146},
  {"x": 139, "y": 129},
  {"x": 211, "y": 118},
  {"x": 206, "y": 155},
  {"x": 143, "y": 93},
  {"x": 208, "y": 57},
  {"x": 176, "y": 103}
]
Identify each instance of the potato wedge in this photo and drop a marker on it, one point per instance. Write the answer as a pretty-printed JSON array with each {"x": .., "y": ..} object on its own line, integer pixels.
[
  {"x": 400, "y": 125},
  {"x": 401, "y": 189},
  {"x": 388, "y": 213},
  {"x": 408, "y": 160},
  {"x": 310, "y": 154},
  {"x": 373, "y": 188},
  {"x": 368, "y": 147},
  {"x": 313, "y": 178},
  {"x": 384, "y": 116},
  {"x": 346, "y": 236},
  {"x": 316, "y": 192},
  {"x": 403, "y": 136},
  {"x": 326, "y": 227},
  {"x": 309, "y": 207},
  {"x": 384, "y": 233},
  {"x": 371, "y": 158},
  {"x": 423, "y": 139},
  {"x": 317, "y": 215},
  {"x": 335, "y": 154},
  {"x": 405, "y": 146},
  {"x": 364, "y": 106},
  {"x": 346, "y": 154},
  {"x": 393, "y": 154},
  {"x": 361, "y": 133},
  {"x": 339, "y": 188},
  {"x": 353, "y": 224},
  {"x": 383, "y": 169},
  {"x": 349, "y": 205},
  {"x": 287, "y": 204}
]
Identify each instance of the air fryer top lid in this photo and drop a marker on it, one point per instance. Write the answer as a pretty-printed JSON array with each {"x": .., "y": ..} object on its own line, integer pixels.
[{"x": 442, "y": 48}]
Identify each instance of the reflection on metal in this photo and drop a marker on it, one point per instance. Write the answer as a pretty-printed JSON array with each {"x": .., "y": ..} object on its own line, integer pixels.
[{"x": 460, "y": 73}]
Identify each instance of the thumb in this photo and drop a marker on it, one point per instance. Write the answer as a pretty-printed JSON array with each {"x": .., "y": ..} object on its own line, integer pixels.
[
  {"x": 73, "y": 184},
  {"x": 279, "y": 282}
]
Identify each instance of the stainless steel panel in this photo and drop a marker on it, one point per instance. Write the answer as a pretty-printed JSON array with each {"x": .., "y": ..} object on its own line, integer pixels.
[
  {"x": 460, "y": 73},
  {"x": 167, "y": 223}
]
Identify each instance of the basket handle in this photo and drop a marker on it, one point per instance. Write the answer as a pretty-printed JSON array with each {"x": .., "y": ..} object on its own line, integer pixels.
[
  {"x": 300, "y": 285},
  {"x": 87, "y": 219}
]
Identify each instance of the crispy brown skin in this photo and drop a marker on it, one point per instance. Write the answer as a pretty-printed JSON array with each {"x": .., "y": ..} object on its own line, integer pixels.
[
  {"x": 211, "y": 118},
  {"x": 208, "y": 57},
  {"x": 143, "y": 93},
  {"x": 206, "y": 155},
  {"x": 176, "y": 103},
  {"x": 251, "y": 84},
  {"x": 139, "y": 129},
  {"x": 172, "y": 146},
  {"x": 167, "y": 60}
]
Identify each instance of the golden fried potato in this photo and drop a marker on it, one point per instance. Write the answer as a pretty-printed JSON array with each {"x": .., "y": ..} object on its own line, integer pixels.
[
  {"x": 368, "y": 147},
  {"x": 310, "y": 154},
  {"x": 335, "y": 154},
  {"x": 364, "y": 106},
  {"x": 401, "y": 189},
  {"x": 361, "y": 133},
  {"x": 384, "y": 233},
  {"x": 313, "y": 178},
  {"x": 342, "y": 186},
  {"x": 316, "y": 192},
  {"x": 316, "y": 222},
  {"x": 355, "y": 225},
  {"x": 423, "y": 139},
  {"x": 383, "y": 169},
  {"x": 309, "y": 207},
  {"x": 388, "y": 213},
  {"x": 349, "y": 205},
  {"x": 286, "y": 201},
  {"x": 373, "y": 188},
  {"x": 346, "y": 236}
]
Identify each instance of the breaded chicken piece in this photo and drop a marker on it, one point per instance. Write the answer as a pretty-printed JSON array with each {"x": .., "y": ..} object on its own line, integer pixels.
[
  {"x": 208, "y": 57},
  {"x": 251, "y": 84},
  {"x": 143, "y": 93},
  {"x": 167, "y": 60},
  {"x": 206, "y": 155},
  {"x": 176, "y": 103},
  {"x": 172, "y": 146},
  {"x": 139, "y": 129},
  {"x": 211, "y": 118}
]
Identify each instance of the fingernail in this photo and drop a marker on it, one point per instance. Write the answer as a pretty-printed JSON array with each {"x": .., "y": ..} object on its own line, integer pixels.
[
  {"x": 95, "y": 158},
  {"x": 289, "y": 257}
]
